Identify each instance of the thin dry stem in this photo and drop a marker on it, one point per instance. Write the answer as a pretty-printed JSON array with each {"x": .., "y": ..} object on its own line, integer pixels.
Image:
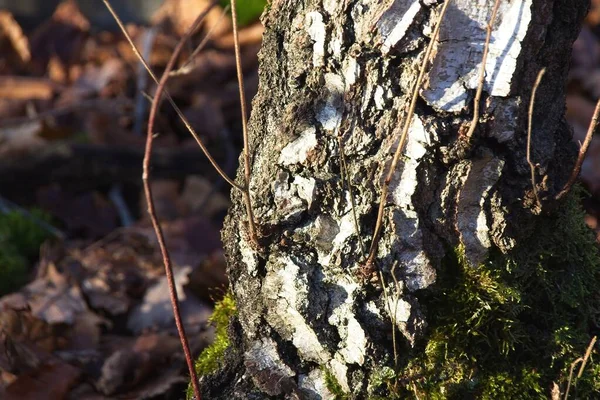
[
  {"x": 532, "y": 166},
  {"x": 247, "y": 171},
  {"x": 170, "y": 99},
  {"x": 399, "y": 150},
  {"x": 586, "y": 356},
  {"x": 486, "y": 49},
  {"x": 346, "y": 178},
  {"x": 151, "y": 208},
  {"x": 582, "y": 152},
  {"x": 188, "y": 66},
  {"x": 573, "y": 365},
  {"x": 148, "y": 190}
]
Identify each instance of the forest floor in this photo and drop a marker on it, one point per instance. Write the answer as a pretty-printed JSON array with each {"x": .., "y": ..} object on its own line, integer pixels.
[{"x": 84, "y": 306}]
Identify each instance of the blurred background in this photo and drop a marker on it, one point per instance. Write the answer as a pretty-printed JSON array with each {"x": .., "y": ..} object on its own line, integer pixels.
[
  {"x": 84, "y": 306},
  {"x": 84, "y": 309}
]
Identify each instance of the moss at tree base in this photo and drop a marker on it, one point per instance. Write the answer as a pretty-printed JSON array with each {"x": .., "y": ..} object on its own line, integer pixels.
[
  {"x": 210, "y": 358},
  {"x": 511, "y": 327}
]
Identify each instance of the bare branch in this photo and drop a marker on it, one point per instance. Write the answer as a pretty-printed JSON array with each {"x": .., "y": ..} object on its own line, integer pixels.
[
  {"x": 148, "y": 190},
  {"x": 582, "y": 152},
  {"x": 247, "y": 171},
  {"x": 529, "y": 126},
  {"x": 170, "y": 99},
  {"x": 486, "y": 49}
]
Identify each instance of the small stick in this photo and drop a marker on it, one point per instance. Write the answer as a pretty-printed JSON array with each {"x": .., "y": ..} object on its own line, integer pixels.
[
  {"x": 346, "y": 177},
  {"x": 486, "y": 49},
  {"x": 582, "y": 152},
  {"x": 247, "y": 171},
  {"x": 529, "y": 125},
  {"x": 408, "y": 120},
  {"x": 170, "y": 99},
  {"x": 587, "y": 354},
  {"x": 187, "y": 67},
  {"x": 148, "y": 192}
]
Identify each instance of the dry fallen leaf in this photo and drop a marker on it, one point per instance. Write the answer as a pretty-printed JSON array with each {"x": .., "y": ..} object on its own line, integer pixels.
[
  {"x": 51, "y": 381},
  {"x": 63, "y": 36},
  {"x": 10, "y": 29},
  {"x": 155, "y": 312},
  {"x": 181, "y": 14}
]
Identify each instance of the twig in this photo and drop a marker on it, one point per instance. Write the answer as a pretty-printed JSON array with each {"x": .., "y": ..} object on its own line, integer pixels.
[
  {"x": 148, "y": 191},
  {"x": 582, "y": 152},
  {"x": 573, "y": 365},
  {"x": 586, "y": 356},
  {"x": 186, "y": 68},
  {"x": 346, "y": 178},
  {"x": 486, "y": 49},
  {"x": 247, "y": 172},
  {"x": 406, "y": 127},
  {"x": 151, "y": 209},
  {"x": 142, "y": 81},
  {"x": 529, "y": 125},
  {"x": 170, "y": 99},
  {"x": 583, "y": 361}
]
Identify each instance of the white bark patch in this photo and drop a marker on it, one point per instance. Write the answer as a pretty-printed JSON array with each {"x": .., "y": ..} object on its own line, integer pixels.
[
  {"x": 249, "y": 256},
  {"x": 316, "y": 31},
  {"x": 353, "y": 346},
  {"x": 456, "y": 66},
  {"x": 414, "y": 262},
  {"x": 397, "y": 308},
  {"x": 306, "y": 189},
  {"x": 298, "y": 151},
  {"x": 340, "y": 372},
  {"x": 288, "y": 288},
  {"x": 287, "y": 202},
  {"x": 471, "y": 221},
  {"x": 316, "y": 385},
  {"x": 351, "y": 71},
  {"x": 395, "y": 22},
  {"x": 330, "y": 114}
]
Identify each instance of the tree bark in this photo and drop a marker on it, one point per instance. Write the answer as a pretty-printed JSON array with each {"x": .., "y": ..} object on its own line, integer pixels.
[{"x": 329, "y": 68}]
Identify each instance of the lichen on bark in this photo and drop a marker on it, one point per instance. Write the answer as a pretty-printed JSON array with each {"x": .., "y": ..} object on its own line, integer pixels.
[{"x": 344, "y": 69}]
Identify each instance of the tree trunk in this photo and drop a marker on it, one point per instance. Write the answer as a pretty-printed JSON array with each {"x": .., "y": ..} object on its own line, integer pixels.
[{"x": 310, "y": 324}]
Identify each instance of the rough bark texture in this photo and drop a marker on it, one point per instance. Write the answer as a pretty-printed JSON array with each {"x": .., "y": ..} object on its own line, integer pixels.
[{"x": 346, "y": 67}]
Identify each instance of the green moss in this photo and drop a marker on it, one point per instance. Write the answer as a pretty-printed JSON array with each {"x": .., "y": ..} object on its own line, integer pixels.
[
  {"x": 511, "y": 327},
  {"x": 210, "y": 358},
  {"x": 248, "y": 10},
  {"x": 334, "y": 386},
  {"x": 20, "y": 241}
]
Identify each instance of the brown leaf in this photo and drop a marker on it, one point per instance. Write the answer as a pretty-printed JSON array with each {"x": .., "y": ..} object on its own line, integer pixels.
[
  {"x": 10, "y": 29},
  {"x": 155, "y": 310},
  {"x": 89, "y": 214},
  {"x": 50, "y": 381},
  {"x": 26, "y": 88},
  {"x": 130, "y": 365},
  {"x": 52, "y": 299},
  {"x": 179, "y": 15},
  {"x": 62, "y": 36}
]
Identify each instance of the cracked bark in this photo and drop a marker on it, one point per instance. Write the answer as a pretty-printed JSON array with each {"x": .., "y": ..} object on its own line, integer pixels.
[{"x": 329, "y": 68}]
